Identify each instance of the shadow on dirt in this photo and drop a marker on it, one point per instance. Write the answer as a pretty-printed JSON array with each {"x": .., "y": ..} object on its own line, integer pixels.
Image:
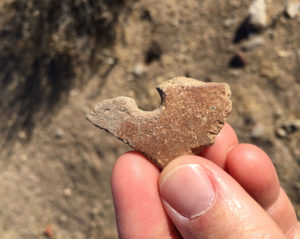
[
  {"x": 245, "y": 30},
  {"x": 43, "y": 46}
]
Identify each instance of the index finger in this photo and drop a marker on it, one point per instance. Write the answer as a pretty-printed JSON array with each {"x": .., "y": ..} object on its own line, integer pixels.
[
  {"x": 138, "y": 207},
  {"x": 225, "y": 140}
]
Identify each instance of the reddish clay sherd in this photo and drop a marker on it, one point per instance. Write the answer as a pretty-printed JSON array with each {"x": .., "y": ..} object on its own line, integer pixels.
[{"x": 190, "y": 116}]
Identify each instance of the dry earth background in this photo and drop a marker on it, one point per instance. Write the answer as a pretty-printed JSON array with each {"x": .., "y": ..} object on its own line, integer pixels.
[{"x": 58, "y": 58}]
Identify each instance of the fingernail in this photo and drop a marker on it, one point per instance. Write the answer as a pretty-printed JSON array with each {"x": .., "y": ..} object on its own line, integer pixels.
[{"x": 188, "y": 190}]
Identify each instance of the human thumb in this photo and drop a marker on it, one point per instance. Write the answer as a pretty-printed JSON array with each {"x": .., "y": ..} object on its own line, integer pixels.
[{"x": 203, "y": 201}]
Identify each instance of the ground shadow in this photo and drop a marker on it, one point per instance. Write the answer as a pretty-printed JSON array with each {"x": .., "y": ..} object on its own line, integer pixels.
[
  {"x": 42, "y": 45},
  {"x": 245, "y": 30}
]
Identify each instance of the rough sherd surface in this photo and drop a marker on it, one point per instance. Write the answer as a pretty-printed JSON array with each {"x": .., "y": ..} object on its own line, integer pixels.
[{"x": 190, "y": 116}]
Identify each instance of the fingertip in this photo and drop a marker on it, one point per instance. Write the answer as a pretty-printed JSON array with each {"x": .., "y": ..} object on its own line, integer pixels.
[
  {"x": 200, "y": 198},
  {"x": 138, "y": 207},
  {"x": 135, "y": 164},
  {"x": 181, "y": 160},
  {"x": 217, "y": 153},
  {"x": 132, "y": 172},
  {"x": 253, "y": 169}
]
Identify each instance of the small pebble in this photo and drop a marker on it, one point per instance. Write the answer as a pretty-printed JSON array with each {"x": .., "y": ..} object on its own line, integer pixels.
[
  {"x": 257, "y": 13},
  {"x": 49, "y": 231},
  {"x": 138, "y": 70},
  {"x": 235, "y": 3},
  {"x": 228, "y": 22},
  {"x": 253, "y": 43},
  {"x": 264, "y": 13},
  {"x": 67, "y": 192},
  {"x": 291, "y": 126},
  {"x": 22, "y": 134},
  {"x": 94, "y": 212},
  {"x": 63, "y": 218},
  {"x": 283, "y": 53},
  {"x": 110, "y": 60},
  {"x": 59, "y": 133},
  {"x": 258, "y": 131},
  {"x": 288, "y": 127},
  {"x": 73, "y": 92},
  {"x": 106, "y": 52},
  {"x": 280, "y": 132},
  {"x": 292, "y": 8},
  {"x": 278, "y": 113},
  {"x": 23, "y": 157}
]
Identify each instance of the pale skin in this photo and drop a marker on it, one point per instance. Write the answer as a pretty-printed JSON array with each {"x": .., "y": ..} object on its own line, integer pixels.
[{"x": 248, "y": 201}]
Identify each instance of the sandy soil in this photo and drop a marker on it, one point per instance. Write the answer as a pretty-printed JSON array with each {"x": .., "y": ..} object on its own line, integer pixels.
[{"x": 58, "y": 59}]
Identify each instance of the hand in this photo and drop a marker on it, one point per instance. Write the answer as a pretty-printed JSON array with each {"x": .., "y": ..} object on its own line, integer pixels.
[{"x": 230, "y": 191}]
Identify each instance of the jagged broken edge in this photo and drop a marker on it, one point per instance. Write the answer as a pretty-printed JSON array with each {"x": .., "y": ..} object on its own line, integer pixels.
[{"x": 162, "y": 97}]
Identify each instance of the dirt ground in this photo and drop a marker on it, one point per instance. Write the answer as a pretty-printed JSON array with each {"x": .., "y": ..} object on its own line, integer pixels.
[{"x": 59, "y": 58}]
